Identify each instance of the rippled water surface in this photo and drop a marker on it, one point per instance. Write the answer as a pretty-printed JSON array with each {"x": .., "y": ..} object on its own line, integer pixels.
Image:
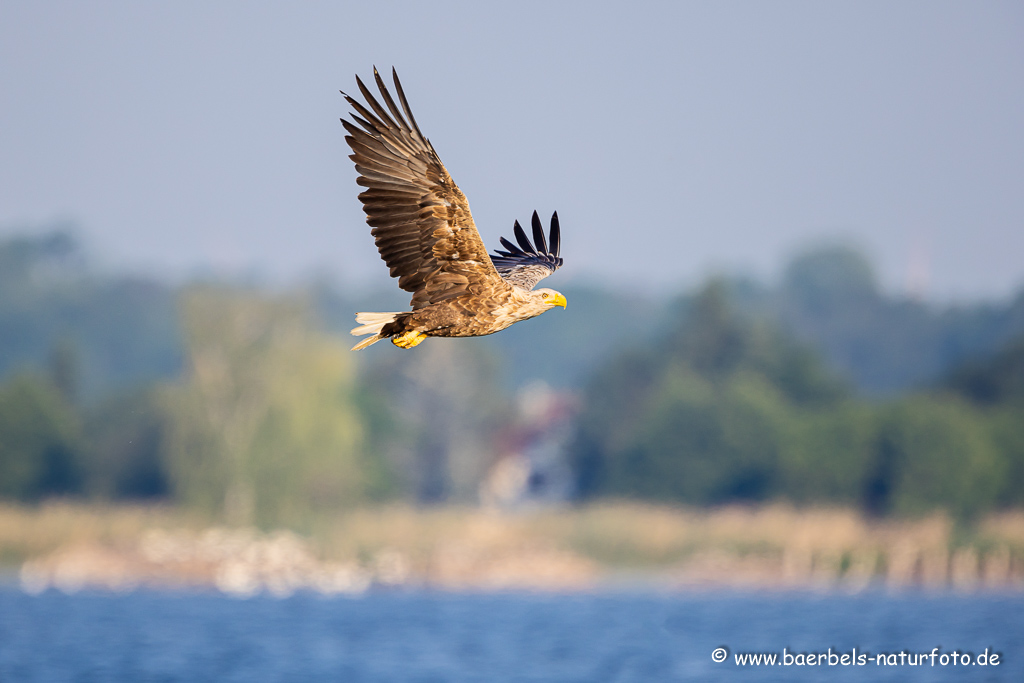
[{"x": 420, "y": 637}]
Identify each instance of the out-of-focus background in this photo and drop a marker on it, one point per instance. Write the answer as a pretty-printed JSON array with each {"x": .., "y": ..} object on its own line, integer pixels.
[
  {"x": 793, "y": 353},
  {"x": 785, "y": 402}
]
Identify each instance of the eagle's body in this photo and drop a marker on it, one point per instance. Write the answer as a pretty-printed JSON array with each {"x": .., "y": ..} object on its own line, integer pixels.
[{"x": 425, "y": 233}]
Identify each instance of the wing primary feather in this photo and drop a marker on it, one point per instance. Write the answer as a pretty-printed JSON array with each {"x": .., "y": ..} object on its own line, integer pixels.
[
  {"x": 556, "y": 236},
  {"x": 376, "y": 128},
  {"x": 523, "y": 240},
  {"x": 379, "y": 131},
  {"x": 363, "y": 111},
  {"x": 368, "y": 121},
  {"x": 512, "y": 249},
  {"x": 389, "y": 101},
  {"x": 405, "y": 103},
  {"x": 518, "y": 230},
  {"x": 538, "y": 235},
  {"x": 372, "y": 101}
]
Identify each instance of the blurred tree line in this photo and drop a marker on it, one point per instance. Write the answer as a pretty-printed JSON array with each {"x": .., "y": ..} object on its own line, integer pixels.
[
  {"x": 724, "y": 407},
  {"x": 247, "y": 404},
  {"x": 830, "y": 299},
  {"x": 116, "y": 333}
]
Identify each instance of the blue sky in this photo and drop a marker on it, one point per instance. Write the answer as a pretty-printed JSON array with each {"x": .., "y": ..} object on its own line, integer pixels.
[{"x": 674, "y": 139}]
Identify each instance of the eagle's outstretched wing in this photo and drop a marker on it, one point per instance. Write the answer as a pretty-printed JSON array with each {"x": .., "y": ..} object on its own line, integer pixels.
[
  {"x": 420, "y": 219},
  {"x": 524, "y": 266}
]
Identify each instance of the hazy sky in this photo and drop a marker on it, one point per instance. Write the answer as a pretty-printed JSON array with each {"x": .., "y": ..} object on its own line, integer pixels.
[{"x": 674, "y": 139}]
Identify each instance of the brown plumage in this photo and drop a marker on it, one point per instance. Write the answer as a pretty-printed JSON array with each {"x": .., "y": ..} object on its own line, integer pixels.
[{"x": 425, "y": 233}]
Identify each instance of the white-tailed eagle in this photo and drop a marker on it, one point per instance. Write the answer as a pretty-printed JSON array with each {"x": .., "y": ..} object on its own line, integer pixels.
[{"x": 425, "y": 233}]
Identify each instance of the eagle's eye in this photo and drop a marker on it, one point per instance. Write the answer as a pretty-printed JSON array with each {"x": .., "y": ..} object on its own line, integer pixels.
[{"x": 544, "y": 295}]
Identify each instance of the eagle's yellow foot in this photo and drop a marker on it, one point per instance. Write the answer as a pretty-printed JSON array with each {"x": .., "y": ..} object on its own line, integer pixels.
[{"x": 408, "y": 340}]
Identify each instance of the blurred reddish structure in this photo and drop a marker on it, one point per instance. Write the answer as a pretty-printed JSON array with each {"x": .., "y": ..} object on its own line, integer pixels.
[{"x": 530, "y": 468}]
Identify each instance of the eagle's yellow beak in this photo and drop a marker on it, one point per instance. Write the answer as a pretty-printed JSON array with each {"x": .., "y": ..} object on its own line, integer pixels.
[{"x": 559, "y": 300}]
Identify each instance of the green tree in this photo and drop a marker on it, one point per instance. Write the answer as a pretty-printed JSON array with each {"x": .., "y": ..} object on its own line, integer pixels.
[
  {"x": 931, "y": 453},
  {"x": 703, "y": 417},
  {"x": 995, "y": 386},
  {"x": 1006, "y": 425},
  {"x": 997, "y": 379},
  {"x": 828, "y": 454},
  {"x": 40, "y": 441},
  {"x": 702, "y": 442},
  {"x": 263, "y": 426},
  {"x": 125, "y": 447}
]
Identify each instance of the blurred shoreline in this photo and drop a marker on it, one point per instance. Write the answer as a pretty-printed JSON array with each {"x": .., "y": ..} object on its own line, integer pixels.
[{"x": 607, "y": 546}]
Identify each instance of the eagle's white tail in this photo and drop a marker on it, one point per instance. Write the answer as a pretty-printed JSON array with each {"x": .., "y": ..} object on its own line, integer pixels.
[{"x": 372, "y": 323}]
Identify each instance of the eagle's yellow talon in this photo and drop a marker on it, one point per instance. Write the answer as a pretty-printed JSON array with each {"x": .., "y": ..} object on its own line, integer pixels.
[{"x": 408, "y": 340}]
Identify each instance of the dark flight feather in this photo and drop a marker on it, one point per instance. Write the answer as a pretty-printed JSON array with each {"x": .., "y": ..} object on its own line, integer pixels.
[
  {"x": 538, "y": 234},
  {"x": 526, "y": 265}
]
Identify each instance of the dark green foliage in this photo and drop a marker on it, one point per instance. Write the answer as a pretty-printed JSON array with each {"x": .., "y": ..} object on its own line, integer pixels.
[
  {"x": 50, "y": 447},
  {"x": 995, "y": 386},
  {"x": 124, "y": 438},
  {"x": 40, "y": 441},
  {"x": 706, "y": 416},
  {"x": 729, "y": 409},
  {"x": 999, "y": 379},
  {"x": 702, "y": 443},
  {"x": 1007, "y": 429},
  {"x": 933, "y": 452},
  {"x": 828, "y": 454}
]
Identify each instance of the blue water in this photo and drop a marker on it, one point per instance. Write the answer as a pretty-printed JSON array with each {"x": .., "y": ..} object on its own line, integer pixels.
[{"x": 427, "y": 637}]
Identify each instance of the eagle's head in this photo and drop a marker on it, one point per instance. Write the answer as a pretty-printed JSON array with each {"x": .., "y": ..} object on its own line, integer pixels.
[{"x": 549, "y": 298}]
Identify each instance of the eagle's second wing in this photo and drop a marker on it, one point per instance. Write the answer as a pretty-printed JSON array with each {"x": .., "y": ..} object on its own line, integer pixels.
[
  {"x": 524, "y": 266},
  {"x": 420, "y": 218}
]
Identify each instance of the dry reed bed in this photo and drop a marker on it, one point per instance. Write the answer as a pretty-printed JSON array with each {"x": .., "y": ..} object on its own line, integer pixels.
[{"x": 770, "y": 546}]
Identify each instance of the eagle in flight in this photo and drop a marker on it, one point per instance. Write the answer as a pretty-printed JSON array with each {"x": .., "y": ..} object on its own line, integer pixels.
[{"x": 425, "y": 233}]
